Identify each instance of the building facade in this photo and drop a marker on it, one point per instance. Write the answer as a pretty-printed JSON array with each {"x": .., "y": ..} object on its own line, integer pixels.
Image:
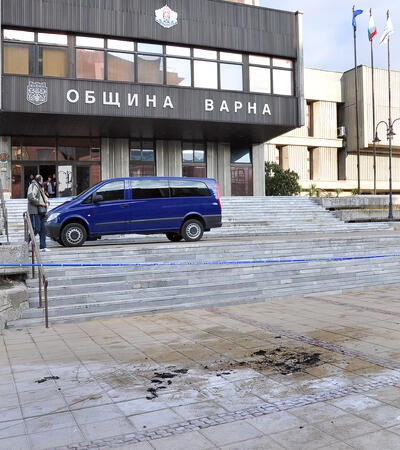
[
  {"x": 324, "y": 151},
  {"x": 93, "y": 90}
]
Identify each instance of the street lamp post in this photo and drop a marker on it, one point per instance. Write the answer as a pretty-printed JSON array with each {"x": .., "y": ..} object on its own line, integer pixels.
[{"x": 390, "y": 133}]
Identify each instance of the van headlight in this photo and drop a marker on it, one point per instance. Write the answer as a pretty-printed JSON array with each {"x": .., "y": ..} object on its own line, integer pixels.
[{"x": 53, "y": 217}]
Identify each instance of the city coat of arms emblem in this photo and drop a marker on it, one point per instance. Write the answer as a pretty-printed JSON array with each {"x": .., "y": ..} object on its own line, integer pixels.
[
  {"x": 36, "y": 92},
  {"x": 166, "y": 17}
]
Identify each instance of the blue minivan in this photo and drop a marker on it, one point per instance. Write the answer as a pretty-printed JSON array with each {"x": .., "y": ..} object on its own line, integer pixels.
[{"x": 182, "y": 208}]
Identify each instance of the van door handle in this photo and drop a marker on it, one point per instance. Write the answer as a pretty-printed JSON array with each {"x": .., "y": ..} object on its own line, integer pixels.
[{"x": 125, "y": 205}]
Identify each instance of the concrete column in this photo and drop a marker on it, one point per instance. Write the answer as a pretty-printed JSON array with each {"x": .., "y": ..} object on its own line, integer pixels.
[
  {"x": 271, "y": 153},
  {"x": 212, "y": 160},
  {"x": 285, "y": 157},
  {"x": 114, "y": 158},
  {"x": 161, "y": 156},
  {"x": 325, "y": 115},
  {"x": 325, "y": 164},
  {"x": 258, "y": 170},
  {"x": 5, "y": 164},
  {"x": 174, "y": 158},
  {"x": 224, "y": 169}
]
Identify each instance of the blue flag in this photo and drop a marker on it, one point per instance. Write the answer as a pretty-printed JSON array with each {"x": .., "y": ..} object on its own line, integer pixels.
[{"x": 356, "y": 13}]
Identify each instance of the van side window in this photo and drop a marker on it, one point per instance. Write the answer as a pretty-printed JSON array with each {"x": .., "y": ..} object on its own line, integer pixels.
[
  {"x": 187, "y": 188},
  {"x": 113, "y": 191},
  {"x": 88, "y": 200},
  {"x": 149, "y": 189}
]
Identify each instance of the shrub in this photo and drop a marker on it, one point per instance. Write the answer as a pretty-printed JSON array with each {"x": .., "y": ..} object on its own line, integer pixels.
[
  {"x": 338, "y": 191},
  {"x": 280, "y": 182}
]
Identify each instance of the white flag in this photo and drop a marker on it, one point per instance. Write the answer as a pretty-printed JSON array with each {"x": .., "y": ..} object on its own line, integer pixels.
[{"x": 387, "y": 31}]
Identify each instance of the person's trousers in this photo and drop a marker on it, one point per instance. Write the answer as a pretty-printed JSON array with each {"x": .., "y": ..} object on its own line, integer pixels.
[{"x": 39, "y": 227}]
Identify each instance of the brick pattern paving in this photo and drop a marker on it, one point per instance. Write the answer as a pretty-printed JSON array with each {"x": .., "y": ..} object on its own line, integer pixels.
[
  {"x": 219, "y": 419},
  {"x": 309, "y": 340}
]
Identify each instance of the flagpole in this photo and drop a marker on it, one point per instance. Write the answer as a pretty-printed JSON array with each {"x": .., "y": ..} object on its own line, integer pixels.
[
  {"x": 390, "y": 135},
  {"x": 373, "y": 104},
  {"x": 357, "y": 131}
]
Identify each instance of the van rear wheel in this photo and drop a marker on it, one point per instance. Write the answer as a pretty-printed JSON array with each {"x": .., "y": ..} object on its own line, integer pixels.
[
  {"x": 73, "y": 235},
  {"x": 174, "y": 237},
  {"x": 192, "y": 230}
]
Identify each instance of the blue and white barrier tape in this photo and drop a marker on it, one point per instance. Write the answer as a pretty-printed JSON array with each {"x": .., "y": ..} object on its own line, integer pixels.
[{"x": 206, "y": 263}]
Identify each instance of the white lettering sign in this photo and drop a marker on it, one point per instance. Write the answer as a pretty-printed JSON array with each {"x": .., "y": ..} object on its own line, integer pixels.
[{"x": 133, "y": 100}]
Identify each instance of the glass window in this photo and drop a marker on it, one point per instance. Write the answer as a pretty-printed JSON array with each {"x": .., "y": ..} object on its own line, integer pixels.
[
  {"x": 260, "y": 79},
  {"x": 89, "y": 64},
  {"x": 78, "y": 149},
  {"x": 142, "y": 169},
  {"x": 112, "y": 192},
  {"x": 205, "y": 54},
  {"x": 84, "y": 41},
  {"x": 177, "y": 51},
  {"x": 205, "y": 74},
  {"x": 260, "y": 60},
  {"x": 194, "y": 171},
  {"x": 188, "y": 188},
  {"x": 53, "y": 62},
  {"x": 150, "y": 69},
  {"x": 19, "y": 59},
  {"x": 179, "y": 72},
  {"x": 232, "y": 57},
  {"x": 193, "y": 153},
  {"x": 241, "y": 156},
  {"x": 120, "y": 66},
  {"x": 242, "y": 180},
  {"x": 149, "y": 189},
  {"x": 282, "y": 80},
  {"x": 115, "y": 44},
  {"x": 286, "y": 63},
  {"x": 149, "y": 48},
  {"x": 231, "y": 77},
  {"x": 142, "y": 152},
  {"x": 52, "y": 38},
  {"x": 18, "y": 35}
]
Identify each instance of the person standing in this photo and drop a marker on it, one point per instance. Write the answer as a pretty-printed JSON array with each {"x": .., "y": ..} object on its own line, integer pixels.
[
  {"x": 37, "y": 209},
  {"x": 49, "y": 188}
]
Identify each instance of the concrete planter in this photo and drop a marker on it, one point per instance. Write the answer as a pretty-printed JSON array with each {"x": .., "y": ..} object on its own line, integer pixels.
[
  {"x": 365, "y": 215},
  {"x": 357, "y": 201},
  {"x": 14, "y": 254},
  {"x": 13, "y": 300}
]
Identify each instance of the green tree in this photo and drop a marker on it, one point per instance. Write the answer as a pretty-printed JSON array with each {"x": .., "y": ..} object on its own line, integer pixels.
[{"x": 280, "y": 182}]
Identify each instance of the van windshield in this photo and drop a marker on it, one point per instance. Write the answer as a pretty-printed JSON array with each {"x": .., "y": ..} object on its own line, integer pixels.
[{"x": 86, "y": 190}]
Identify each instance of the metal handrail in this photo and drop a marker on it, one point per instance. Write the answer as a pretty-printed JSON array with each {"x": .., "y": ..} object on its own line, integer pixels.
[
  {"x": 43, "y": 281},
  {"x": 4, "y": 211}
]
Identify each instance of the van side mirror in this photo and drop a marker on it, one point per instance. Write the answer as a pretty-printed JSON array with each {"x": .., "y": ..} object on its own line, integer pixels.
[{"x": 97, "y": 198}]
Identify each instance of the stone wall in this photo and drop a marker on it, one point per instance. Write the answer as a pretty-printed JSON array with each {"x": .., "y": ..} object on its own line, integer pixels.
[{"x": 13, "y": 300}]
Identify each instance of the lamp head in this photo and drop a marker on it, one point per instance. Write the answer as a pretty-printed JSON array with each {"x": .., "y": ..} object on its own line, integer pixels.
[{"x": 376, "y": 139}]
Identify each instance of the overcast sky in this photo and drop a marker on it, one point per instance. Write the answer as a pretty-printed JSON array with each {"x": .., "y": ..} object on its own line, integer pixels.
[{"x": 328, "y": 33}]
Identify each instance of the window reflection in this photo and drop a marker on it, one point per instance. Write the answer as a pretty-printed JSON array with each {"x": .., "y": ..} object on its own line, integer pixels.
[
  {"x": 260, "y": 79},
  {"x": 53, "y": 62},
  {"x": 177, "y": 51},
  {"x": 19, "y": 59},
  {"x": 205, "y": 74},
  {"x": 89, "y": 64},
  {"x": 231, "y": 77},
  {"x": 259, "y": 60},
  {"x": 19, "y": 35},
  {"x": 120, "y": 66},
  {"x": 83, "y": 41},
  {"x": 115, "y": 44},
  {"x": 149, "y": 48},
  {"x": 179, "y": 72},
  {"x": 52, "y": 38},
  {"x": 282, "y": 80},
  {"x": 232, "y": 57},
  {"x": 286, "y": 63},
  {"x": 205, "y": 54},
  {"x": 150, "y": 69}
]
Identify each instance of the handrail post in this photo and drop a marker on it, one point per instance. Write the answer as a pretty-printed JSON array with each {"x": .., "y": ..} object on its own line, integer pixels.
[
  {"x": 40, "y": 290},
  {"x": 46, "y": 305}
]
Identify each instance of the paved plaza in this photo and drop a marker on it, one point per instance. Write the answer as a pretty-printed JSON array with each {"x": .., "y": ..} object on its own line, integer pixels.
[{"x": 314, "y": 373}]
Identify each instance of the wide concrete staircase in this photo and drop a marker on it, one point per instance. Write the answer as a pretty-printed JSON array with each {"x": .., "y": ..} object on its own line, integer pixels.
[
  {"x": 83, "y": 293},
  {"x": 240, "y": 216}
]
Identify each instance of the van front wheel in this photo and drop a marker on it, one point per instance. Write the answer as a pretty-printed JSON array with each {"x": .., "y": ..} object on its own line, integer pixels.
[
  {"x": 73, "y": 235},
  {"x": 192, "y": 230}
]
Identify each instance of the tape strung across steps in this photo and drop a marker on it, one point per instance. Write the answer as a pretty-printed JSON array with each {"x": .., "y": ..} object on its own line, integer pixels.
[{"x": 207, "y": 263}]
